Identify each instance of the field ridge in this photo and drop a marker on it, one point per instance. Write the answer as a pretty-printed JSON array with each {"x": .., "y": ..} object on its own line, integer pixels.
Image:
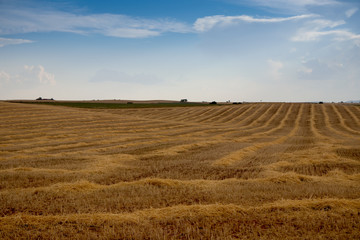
[{"x": 254, "y": 170}]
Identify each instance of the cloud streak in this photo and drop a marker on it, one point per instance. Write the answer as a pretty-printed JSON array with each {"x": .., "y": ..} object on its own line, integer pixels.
[
  {"x": 16, "y": 21},
  {"x": 349, "y": 13},
  {"x": 12, "y": 41},
  {"x": 317, "y": 29},
  {"x": 277, "y": 3},
  {"x": 286, "y": 5},
  {"x": 339, "y": 35},
  {"x": 27, "y": 20},
  {"x": 207, "y": 23}
]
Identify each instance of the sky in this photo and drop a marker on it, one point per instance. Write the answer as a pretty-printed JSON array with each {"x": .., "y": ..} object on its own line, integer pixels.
[{"x": 201, "y": 50}]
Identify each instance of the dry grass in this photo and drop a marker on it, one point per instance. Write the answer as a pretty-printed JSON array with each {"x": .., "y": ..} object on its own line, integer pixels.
[{"x": 251, "y": 171}]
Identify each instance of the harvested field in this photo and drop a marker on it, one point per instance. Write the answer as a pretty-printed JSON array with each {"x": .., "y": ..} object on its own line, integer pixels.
[{"x": 249, "y": 171}]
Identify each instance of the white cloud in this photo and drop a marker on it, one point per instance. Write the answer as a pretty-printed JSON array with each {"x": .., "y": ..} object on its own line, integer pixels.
[
  {"x": 323, "y": 69},
  {"x": 36, "y": 75},
  {"x": 29, "y": 75},
  {"x": 337, "y": 35},
  {"x": 37, "y": 20},
  {"x": 324, "y": 23},
  {"x": 4, "y": 77},
  {"x": 11, "y": 41},
  {"x": 275, "y": 67},
  {"x": 206, "y": 23},
  {"x": 351, "y": 12},
  {"x": 311, "y": 30},
  {"x": 130, "y": 33},
  {"x": 318, "y": 29},
  {"x": 45, "y": 77},
  {"x": 305, "y": 70}
]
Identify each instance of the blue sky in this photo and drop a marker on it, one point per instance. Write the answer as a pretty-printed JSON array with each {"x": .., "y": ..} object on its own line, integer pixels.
[{"x": 202, "y": 50}]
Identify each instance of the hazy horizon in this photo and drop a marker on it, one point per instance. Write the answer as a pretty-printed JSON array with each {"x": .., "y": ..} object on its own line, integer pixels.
[{"x": 201, "y": 50}]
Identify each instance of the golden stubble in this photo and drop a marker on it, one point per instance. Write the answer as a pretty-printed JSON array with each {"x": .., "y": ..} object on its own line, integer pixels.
[{"x": 269, "y": 170}]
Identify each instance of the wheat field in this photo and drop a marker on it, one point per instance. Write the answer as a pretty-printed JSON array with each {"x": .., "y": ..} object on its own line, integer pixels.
[{"x": 249, "y": 171}]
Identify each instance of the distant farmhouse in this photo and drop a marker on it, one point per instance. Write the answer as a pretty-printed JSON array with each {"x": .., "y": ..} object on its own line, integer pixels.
[{"x": 48, "y": 99}]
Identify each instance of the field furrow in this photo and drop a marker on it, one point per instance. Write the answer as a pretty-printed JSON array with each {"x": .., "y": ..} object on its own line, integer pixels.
[
  {"x": 337, "y": 124},
  {"x": 347, "y": 119},
  {"x": 267, "y": 170},
  {"x": 242, "y": 153}
]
